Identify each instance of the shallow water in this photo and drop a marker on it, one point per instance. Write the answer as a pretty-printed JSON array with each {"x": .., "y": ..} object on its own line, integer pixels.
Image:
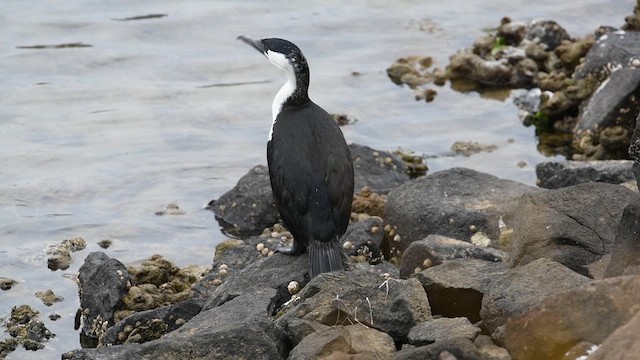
[{"x": 95, "y": 140}]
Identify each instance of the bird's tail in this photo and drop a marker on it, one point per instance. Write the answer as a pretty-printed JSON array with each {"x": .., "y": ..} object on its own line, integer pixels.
[{"x": 325, "y": 257}]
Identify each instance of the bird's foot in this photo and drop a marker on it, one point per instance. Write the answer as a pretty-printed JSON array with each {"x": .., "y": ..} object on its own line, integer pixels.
[{"x": 289, "y": 250}]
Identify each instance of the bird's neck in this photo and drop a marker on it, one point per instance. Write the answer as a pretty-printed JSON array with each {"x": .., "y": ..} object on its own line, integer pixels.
[{"x": 294, "y": 92}]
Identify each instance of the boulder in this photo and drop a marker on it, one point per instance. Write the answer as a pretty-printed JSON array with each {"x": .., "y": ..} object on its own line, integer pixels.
[
  {"x": 522, "y": 288},
  {"x": 322, "y": 343},
  {"x": 441, "y": 350},
  {"x": 590, "y": 313},
  {"x": 622, "y": 343},
  {"x": 359, "y": 296},
  {"x": 613, "y": 49},
  {"x": 381, "y": 171},
  {"x": 557, "y": 174},
  {"x": 456, "y": 203},
  {"x": 456, "y": 288},
  {"x": 240, "y": 328},
  {"x": 430, "y": 331},
  {"x": 102, "y": 281},
  {"x": 437, "y": 249},
  {"x": 625, "y": 257},
  {"x": 575, "y": 225},
  {"x": 249, "y": 207},
  {"x": 489, "y": 350}
]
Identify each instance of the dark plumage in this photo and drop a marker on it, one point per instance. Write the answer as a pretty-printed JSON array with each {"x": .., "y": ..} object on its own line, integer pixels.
[{"x": 309, "y": 162}]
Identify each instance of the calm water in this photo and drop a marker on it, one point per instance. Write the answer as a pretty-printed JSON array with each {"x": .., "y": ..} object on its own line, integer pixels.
[{"x": 94, "y": 140}]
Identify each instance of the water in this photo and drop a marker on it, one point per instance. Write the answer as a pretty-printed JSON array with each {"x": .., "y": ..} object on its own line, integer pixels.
[{"x": 95, "y": 140}]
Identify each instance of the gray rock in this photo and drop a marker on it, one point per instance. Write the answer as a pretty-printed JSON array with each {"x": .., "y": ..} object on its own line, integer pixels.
[
  {"x": 624, "y": 256},
  {"x": 456, "y": 288},
  {"x": 590, "y": 313},
  {"x": 433, "y": 330},
  {"x": 634, "y": 150},
  {"x": 371, "y": 168},
  {"x": 370, "y": 342},
  {"x": 360, "y": 240},
  {"x": 575, "y": 225},
  {"x": 613, "y": 103},
  {"x": 616, "y": 48},
  {"x": 452, "y": 203},
  {"x": 102, "y": 284},
  {"x": 522, "y": 288},
  {"x": 296, "y": 329},
  {"x": 547, "y": 32},
  {"x": 436, "y": 249},
  {"x": 248, "y": 208},
  {"x": 461, "y": 349},
  {"x": 490, "y": 350},
  {"x": 345, "y": 298},
  {"x": 273, "y": 272},
  {"x": 171, "y": 317},
  {"x": 557, "y": 174},
  {"x": 240, "y": 328},
  {"x": 322, "y": 343}
]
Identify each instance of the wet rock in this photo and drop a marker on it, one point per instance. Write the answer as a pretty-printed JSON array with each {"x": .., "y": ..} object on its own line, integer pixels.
[
  {"x": 346, "y": 298},
  {"x": 457, "y": 287},
  {"x": 468, "y": 148},
  {"x": 249, "y": 207},
  {"x": 103, "y": 281},
  {"x": 436, "y": 249},
  {"x": 415, "y": 164},
  {"x": 105, "y": 243},
  {"x": 522, "y": 288},
  {"x": 381, "y": 171},
  {"x": 6, "y": 283},
  {"x": 456, "y": 203},
  {"x": 575, "y": 225},
  {"x": 624, "y": 255},
  {"x": 614, "y": 103},
  {"x": 441, "y": 350},
  {"x": 48, "y": 297},
  {"x": 557, "y": 174},
  {"x": 59, "y": 257},
  {"x": 433, "y": 330},
  {"x": 546, "y": 32},
  {"x": 240, "y": 328},
  {"x": 613, "y": 49},
  {"x": 170, "y": 209},
  {"x": 362, "y": 240},
  {"x": 590, "y": 313},
  {"x": 25, "y": 329},
  {"x": 149, "y": 325},
  {"x": 54, "y": 317},
  {"x": 273, "y": 272},
  {"x": 621, "y": 344}
]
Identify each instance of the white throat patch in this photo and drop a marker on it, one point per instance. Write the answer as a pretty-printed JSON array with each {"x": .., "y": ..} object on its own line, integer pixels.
[{"x": 281, "y": 62}]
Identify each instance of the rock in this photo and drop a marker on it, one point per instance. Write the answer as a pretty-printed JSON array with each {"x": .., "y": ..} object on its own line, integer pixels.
[
  {"x": 249, "y": 207},
  {"x": 522, "y": 288},
  {"x": 557, "y": 174},
  {"x": 362, "y": 240},
  {"x": 60, "y": 255},
  {"x": 103, "y": 282},
  {"x": 433, "y": 330},
  {"x": 345, "y": 298},
  {"x": 468, "y": 148},
  {"x": 273, "y": 272},
  {"x": 151, "y": 324},
  {"x": 634, "y": 150},
  {"x": 456, "y": 288},
  {"x": 456, "y": 203},
  {"x": 296, "y": 329},
  {"x": 613, "y": 49},
  {"x": 322, "y": 343},
  {"x": 241, "y": 328},
  {"x": 25, "y": 329},
  {"x": 6, "y": 283},
  {"x": 461, "y": 349},
  {"x": 624, "y": 255},
  {"x": 368, "y": 202},
  {"x": 105, "y": 243},
  {"x": 381, "y": 171},
  {"x": 436, "y": 249},
  {"x": 574, "y": 225},
  {"x": 590, "y": 313},
  {"x": 546, "y": 32},
  {"x": 48, "y": 297},
  {"x": 489, "y": 350},
  {"x": 370, "y": 342},
  {"x": 621, "y": 344}
]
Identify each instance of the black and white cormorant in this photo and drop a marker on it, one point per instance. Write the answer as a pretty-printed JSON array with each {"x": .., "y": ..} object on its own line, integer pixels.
[{"x": 310, "y": 165}]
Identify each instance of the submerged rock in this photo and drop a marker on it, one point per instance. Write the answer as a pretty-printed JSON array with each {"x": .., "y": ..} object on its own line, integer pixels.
[
  {"x": 48, "y": 297},
  {"x": 25, "y": 329},
  {"x": 6, "y": 283},
  {"x": 60, "y": 255}
]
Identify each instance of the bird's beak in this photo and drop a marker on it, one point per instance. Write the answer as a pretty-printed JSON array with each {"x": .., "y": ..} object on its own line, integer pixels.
[{"x": 256, "y": 44}]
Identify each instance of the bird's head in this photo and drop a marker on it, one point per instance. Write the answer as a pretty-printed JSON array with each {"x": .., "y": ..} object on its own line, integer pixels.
[{"x": 282, "y": 53}]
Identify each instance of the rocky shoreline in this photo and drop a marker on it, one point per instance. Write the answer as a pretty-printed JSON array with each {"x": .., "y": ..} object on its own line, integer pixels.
[{"x": 454, "y": 265}]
